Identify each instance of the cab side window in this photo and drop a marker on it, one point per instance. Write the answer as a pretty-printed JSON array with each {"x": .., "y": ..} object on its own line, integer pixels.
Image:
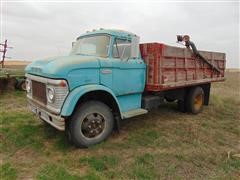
[{"x": 121, "y": 49}]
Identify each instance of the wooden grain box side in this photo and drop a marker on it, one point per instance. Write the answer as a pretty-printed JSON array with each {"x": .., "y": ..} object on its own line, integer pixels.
[{"x": 172, "y": 67}]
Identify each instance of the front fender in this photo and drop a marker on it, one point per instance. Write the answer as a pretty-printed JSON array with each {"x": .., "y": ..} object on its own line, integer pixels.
[{"x": 77, "y": 93}]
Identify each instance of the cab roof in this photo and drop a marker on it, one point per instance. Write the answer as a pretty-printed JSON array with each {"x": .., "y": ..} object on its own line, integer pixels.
[{"x": 113, "y": 32}]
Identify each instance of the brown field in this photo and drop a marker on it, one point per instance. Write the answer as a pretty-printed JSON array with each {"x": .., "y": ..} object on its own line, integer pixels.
[
  {"x": 163, "y": 144},
  {"x": 233, "y": 70},
  {"x": 16, "y": 64}
]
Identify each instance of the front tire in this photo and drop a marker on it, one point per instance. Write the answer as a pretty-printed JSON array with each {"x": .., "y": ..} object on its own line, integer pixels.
[{"x": 90, "y": 124}]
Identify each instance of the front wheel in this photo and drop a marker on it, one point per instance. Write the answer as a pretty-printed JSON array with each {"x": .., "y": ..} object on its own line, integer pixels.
[{"x": 91, "y": 123}]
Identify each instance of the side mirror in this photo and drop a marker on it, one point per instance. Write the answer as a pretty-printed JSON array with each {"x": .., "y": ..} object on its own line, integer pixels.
[
  {"x": 135, "y": 47},
  {"x": 121, "y": 56}
]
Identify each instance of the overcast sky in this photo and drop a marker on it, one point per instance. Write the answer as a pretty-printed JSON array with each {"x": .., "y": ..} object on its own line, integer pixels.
[{"x": 38, "y": 30}]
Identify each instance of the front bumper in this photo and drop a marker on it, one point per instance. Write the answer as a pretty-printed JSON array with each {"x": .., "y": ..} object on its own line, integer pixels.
[{"x": 55, "y": 120}]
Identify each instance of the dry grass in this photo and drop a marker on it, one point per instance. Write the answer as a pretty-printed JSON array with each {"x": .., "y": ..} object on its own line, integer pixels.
[{"x": 164, "y": 144}]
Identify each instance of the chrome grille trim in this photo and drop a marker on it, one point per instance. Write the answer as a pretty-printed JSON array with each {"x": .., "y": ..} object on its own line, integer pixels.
[
  {"x": 60, "y": 93},
  {"x": 43, "y": 80},
  {"x": 39, "y": 92}
]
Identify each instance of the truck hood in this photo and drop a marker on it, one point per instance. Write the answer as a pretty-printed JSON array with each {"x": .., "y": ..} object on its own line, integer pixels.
[{"x": 59, "y": 67}]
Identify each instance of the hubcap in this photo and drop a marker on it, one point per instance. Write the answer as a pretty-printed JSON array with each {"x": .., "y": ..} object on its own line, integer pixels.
[
  {"x": 198, "y": 101},
  {"x": 93, "y": 125}
]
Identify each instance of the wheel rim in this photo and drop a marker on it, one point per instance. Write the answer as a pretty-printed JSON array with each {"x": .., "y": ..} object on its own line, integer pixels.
[
  {"x": 93, "y": 125},
  {"x": 198, "y": 101}
]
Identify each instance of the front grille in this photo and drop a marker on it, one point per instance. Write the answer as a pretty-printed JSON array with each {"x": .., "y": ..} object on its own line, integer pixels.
[{"x": 39, "y": 92}]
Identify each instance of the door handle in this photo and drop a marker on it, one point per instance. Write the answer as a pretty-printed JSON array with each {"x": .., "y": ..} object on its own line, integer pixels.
[{"x": 106, "y": 71}]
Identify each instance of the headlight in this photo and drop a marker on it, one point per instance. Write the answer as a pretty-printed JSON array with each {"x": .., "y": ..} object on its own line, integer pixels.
[
  {"x": 50, "y": 94},
  {"x": 28, "y": 86}
]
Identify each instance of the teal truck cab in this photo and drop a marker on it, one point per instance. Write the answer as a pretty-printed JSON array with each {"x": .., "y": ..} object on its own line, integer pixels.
[{"x": 105, "y": 79}]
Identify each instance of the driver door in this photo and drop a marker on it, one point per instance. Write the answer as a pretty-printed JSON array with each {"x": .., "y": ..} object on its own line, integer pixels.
[{"x": 128, "y": 73}]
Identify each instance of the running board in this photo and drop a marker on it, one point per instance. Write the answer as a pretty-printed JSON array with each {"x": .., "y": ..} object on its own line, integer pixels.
[{"x": 133, "y": 113}]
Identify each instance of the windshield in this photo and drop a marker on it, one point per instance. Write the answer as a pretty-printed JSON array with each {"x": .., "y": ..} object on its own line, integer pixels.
[{"x": 92, "y": 46}]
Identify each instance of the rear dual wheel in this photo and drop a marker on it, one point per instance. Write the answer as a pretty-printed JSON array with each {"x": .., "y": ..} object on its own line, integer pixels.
[{"x": 194, "y": 101}]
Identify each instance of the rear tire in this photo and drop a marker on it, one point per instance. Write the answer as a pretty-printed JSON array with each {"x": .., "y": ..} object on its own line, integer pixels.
[
  {"x": 195, "y": 100},
  {"x": 90, "y": 124}
]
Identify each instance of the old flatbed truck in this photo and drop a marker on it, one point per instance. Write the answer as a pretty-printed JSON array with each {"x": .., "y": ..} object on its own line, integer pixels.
[{"x": 109, "y": 76}]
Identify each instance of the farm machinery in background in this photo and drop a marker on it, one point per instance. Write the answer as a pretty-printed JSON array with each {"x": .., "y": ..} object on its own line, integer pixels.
[{"x": 11, "y": 77}]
